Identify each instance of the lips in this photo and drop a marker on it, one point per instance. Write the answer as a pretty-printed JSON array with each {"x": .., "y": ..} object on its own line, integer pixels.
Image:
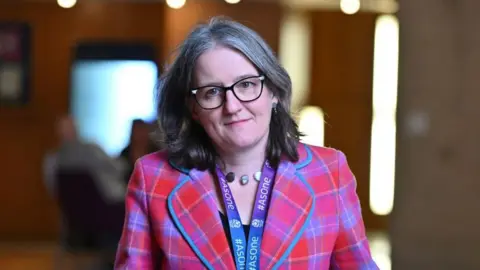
[{"x": 237, "y": 122}]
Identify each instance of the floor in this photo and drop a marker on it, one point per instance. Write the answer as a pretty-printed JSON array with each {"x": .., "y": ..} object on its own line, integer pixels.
[
  {"x": 25, "y": 257},
  {"x": 42, "y": 256}
]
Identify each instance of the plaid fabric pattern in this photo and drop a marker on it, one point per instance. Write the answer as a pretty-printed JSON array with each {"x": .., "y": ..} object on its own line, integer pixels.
[{"x": 314, "y": 220}]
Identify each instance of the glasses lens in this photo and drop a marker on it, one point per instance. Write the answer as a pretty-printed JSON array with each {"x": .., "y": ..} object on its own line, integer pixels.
[
  {"x": 210, "y": 97},
  {"x": 248, "y": 89}
]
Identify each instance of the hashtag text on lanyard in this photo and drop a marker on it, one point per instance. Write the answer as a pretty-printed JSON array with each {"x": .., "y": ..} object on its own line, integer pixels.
[{"x": 247, "y": 254}]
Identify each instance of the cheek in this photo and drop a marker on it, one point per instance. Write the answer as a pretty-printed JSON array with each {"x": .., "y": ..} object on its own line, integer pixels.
[
  {"x": 264, "y": 107},
  {"x": 207, "y": 119}
]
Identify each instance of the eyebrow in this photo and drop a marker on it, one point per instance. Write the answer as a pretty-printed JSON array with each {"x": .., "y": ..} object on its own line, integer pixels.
[{"x": 236, "y": 79}]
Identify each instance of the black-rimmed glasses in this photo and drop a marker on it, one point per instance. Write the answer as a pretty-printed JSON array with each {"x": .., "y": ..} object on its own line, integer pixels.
[{"x": 211, "y": 97}]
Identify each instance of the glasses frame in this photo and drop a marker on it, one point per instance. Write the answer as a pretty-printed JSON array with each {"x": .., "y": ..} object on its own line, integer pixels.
[{"x": 231, "y": 87}]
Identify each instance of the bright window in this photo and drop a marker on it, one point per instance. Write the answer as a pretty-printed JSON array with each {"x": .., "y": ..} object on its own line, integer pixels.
[
  {"x": 385, "y": 76},
  {"x": 107, "y": 95},
  {"x": 311, "y": 123}
]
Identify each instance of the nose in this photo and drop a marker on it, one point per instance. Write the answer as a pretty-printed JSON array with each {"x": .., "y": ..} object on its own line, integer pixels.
[{"x": 232, "y": 104}]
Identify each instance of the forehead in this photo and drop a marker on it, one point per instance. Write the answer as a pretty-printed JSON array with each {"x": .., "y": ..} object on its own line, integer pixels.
[{"x": 222, "y": 65}]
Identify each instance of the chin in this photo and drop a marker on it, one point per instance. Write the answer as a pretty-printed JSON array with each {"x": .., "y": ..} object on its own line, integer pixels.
[{"x": 242, "y": 143}]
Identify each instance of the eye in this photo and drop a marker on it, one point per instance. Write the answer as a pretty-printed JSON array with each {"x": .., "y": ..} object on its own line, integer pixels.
[
  {"x": 246, "y": 84},
  {"x": 212, "y": 91}
]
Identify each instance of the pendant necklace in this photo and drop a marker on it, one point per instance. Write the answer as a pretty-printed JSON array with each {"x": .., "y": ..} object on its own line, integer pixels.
[{"x": 244, "y": 178}]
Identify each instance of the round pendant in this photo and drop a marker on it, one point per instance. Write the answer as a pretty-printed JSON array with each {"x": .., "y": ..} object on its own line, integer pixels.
[
  {"x": 230, "y": 177},
  {"x": 244, "y": 179},
  {"x": 257, "y": 176}
]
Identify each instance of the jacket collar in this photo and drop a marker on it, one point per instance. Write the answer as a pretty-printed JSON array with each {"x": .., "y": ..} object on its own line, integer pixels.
[{"x": 194, "y": 212}]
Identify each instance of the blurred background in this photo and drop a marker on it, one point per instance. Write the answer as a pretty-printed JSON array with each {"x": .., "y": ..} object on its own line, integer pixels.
[{"x": 393, "y": 84}]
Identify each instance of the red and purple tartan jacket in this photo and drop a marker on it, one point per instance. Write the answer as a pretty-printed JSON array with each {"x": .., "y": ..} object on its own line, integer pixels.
[{"x": 314, "y": 220}]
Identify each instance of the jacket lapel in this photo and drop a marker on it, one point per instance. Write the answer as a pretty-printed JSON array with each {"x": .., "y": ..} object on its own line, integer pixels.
[
  {"x": 291, "y": 207},
  {"x": 194, "y": 212}
]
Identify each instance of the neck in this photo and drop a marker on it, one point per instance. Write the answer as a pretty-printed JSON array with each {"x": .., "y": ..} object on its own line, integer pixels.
[{"x": 246, "y": 161}]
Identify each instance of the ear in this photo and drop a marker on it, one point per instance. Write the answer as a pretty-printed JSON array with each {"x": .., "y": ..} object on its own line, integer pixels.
[{"x": 274, "y": 99}]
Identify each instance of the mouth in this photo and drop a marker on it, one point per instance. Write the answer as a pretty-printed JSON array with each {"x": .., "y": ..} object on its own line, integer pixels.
[{"x": 232, "y": 123}]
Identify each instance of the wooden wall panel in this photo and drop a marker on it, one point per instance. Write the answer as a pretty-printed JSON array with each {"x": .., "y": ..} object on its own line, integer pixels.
[
  {"x": 265, "y": 18},
  {"x": 26, "y": 133},
  {"x": 341, "y": 84}
]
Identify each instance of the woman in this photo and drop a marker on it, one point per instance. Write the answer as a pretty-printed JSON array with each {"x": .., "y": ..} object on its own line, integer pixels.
[
  {"x": 233, "y": 158},
  {"x": 139, "y": 145}
]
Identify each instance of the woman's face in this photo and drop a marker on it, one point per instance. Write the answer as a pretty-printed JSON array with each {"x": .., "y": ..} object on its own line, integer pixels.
[{"x": 236, "y": 124}]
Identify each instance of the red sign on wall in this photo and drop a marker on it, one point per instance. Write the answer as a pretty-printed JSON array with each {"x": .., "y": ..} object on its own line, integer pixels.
[
  {"x": 10, "y": 45},
  {"x": 14, "y": 62}
]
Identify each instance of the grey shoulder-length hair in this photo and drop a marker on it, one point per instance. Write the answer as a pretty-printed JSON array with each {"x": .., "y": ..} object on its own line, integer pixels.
[{"x": 185, "y": 140}]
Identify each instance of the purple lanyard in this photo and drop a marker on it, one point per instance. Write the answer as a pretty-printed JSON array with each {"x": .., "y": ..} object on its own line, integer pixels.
[{"x": 247, "y": 255}]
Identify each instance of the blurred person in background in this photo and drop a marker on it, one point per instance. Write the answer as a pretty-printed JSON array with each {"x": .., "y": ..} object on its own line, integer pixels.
[
  {"x": 74, "y": 156},
  {"x": 232, "y": 155},
  {"x": 140, "y": 144},
  {"x": 73, "y": 153}
]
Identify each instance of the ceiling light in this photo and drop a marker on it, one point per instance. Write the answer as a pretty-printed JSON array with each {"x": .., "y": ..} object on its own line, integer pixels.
[
  {"x": 176, "y": 4},
  {"x": 350, "y": 6},
  {"x": 66, "y": 3}
]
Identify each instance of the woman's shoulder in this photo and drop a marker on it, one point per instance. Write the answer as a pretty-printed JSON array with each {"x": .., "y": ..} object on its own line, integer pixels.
[
  {"x": 154, "y": 158},
  {"x": 156, "y": 167},
  {"x": 325, "y": 166},
  {"x": 314, "y": 154},
  {"x": 319, "y": 159}
]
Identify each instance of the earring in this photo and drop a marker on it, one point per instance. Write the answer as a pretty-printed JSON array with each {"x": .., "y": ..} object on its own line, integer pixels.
[{"x": 274, "y": 107}]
